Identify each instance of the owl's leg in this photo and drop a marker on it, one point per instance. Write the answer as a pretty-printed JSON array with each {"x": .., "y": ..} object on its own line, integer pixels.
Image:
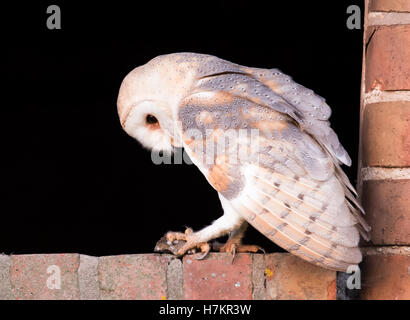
[
  {"x": 225, "y": 224},
  {"x": 234, "y": 243}
]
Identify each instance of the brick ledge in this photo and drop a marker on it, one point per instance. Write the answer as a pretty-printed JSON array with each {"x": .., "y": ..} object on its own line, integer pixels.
[{"x": 162, "y": 276}]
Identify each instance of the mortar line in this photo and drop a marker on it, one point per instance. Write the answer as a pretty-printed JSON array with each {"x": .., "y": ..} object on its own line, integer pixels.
[
  {"x": 385, "y": 173},
  {"x": 378, "y": 18},
  {"x": 402, "y": 250}
]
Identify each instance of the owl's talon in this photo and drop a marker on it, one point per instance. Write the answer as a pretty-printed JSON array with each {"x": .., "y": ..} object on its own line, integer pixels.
[
  {"x": 261, "y": 249},
  {"x": 205, "y": 249},
  {"x": 233, "y": 254},
  {"x": 202, "y": 256},
  {"x": 175, "y": 236},
  {"x": 233, "y": 247}
]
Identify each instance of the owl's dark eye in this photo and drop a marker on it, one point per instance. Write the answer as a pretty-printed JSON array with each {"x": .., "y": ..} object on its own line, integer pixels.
[{"x": 150, "y": 119}]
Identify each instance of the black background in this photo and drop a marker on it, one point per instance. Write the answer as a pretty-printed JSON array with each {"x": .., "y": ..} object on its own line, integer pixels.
[{"x": 72, "y": 180}]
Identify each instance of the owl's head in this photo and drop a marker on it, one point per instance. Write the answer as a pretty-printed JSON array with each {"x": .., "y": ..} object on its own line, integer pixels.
[
  {"x": 148, "y": 100},
  {"x": 144, "y": 117}
]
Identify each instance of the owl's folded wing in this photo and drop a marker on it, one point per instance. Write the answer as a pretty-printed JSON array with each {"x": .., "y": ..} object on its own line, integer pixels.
[{"x": 276, "y": 90}]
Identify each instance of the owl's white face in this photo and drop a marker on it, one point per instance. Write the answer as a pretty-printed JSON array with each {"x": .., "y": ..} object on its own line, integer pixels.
[
  {"x": 149, "y": 123},
  {"x": 144, "y": 109},
  {"x": 148, "y": 102}
]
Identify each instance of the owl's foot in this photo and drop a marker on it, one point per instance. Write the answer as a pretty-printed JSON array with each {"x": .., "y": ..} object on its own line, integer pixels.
[
  {"x": 191, "y": 244},
  {"x": 233, "y": 246}
]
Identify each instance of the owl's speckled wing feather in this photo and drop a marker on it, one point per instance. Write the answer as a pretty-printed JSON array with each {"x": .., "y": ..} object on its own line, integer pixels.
[
  {"x": 292, "y": 188},
  {"x": 273, "y": 89}
]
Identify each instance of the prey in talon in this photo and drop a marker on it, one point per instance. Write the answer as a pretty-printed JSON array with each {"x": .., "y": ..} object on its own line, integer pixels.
[
  {"x": 165, "y": 246},
  {"x": 179, "y": 244}
]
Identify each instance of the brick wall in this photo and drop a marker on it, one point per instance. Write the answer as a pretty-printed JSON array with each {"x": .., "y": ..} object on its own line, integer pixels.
[
  {"x": 384, "y": 156},
  {"x": 154, "y": 276}
]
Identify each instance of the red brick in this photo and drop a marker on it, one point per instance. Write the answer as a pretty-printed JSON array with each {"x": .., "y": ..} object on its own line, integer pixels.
[
  {"x": 217, "y": 278},
  {"x": 29, "y": 276},
  {"x": 385, "y": 277},
  {"x": 387, "y": 206},
  {"x": 390, "y": 5},
  {"x": 133, "y": 277},
  {"x": 291, "y": 278},
  {"x": 386, "y": 134},
  {"x": 387, "y": 58}
]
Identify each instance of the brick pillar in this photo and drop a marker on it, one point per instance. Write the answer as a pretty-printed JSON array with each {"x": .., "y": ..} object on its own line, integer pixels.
[{"x": 384, "y": 156}]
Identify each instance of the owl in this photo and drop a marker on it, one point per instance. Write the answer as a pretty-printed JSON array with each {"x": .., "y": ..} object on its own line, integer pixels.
[{"x": 263, "y": 142}]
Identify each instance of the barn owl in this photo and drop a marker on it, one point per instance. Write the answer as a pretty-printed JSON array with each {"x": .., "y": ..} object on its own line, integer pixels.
[{"x": 291, "y": 188}]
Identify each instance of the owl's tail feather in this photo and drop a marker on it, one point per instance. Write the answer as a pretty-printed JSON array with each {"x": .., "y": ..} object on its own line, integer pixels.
[
  {"x": 351, "y": 195},
  {"x": 310, "y": 220},
  {"x": 315, "y": 251},
  {"x": 355, "y": 208}
]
